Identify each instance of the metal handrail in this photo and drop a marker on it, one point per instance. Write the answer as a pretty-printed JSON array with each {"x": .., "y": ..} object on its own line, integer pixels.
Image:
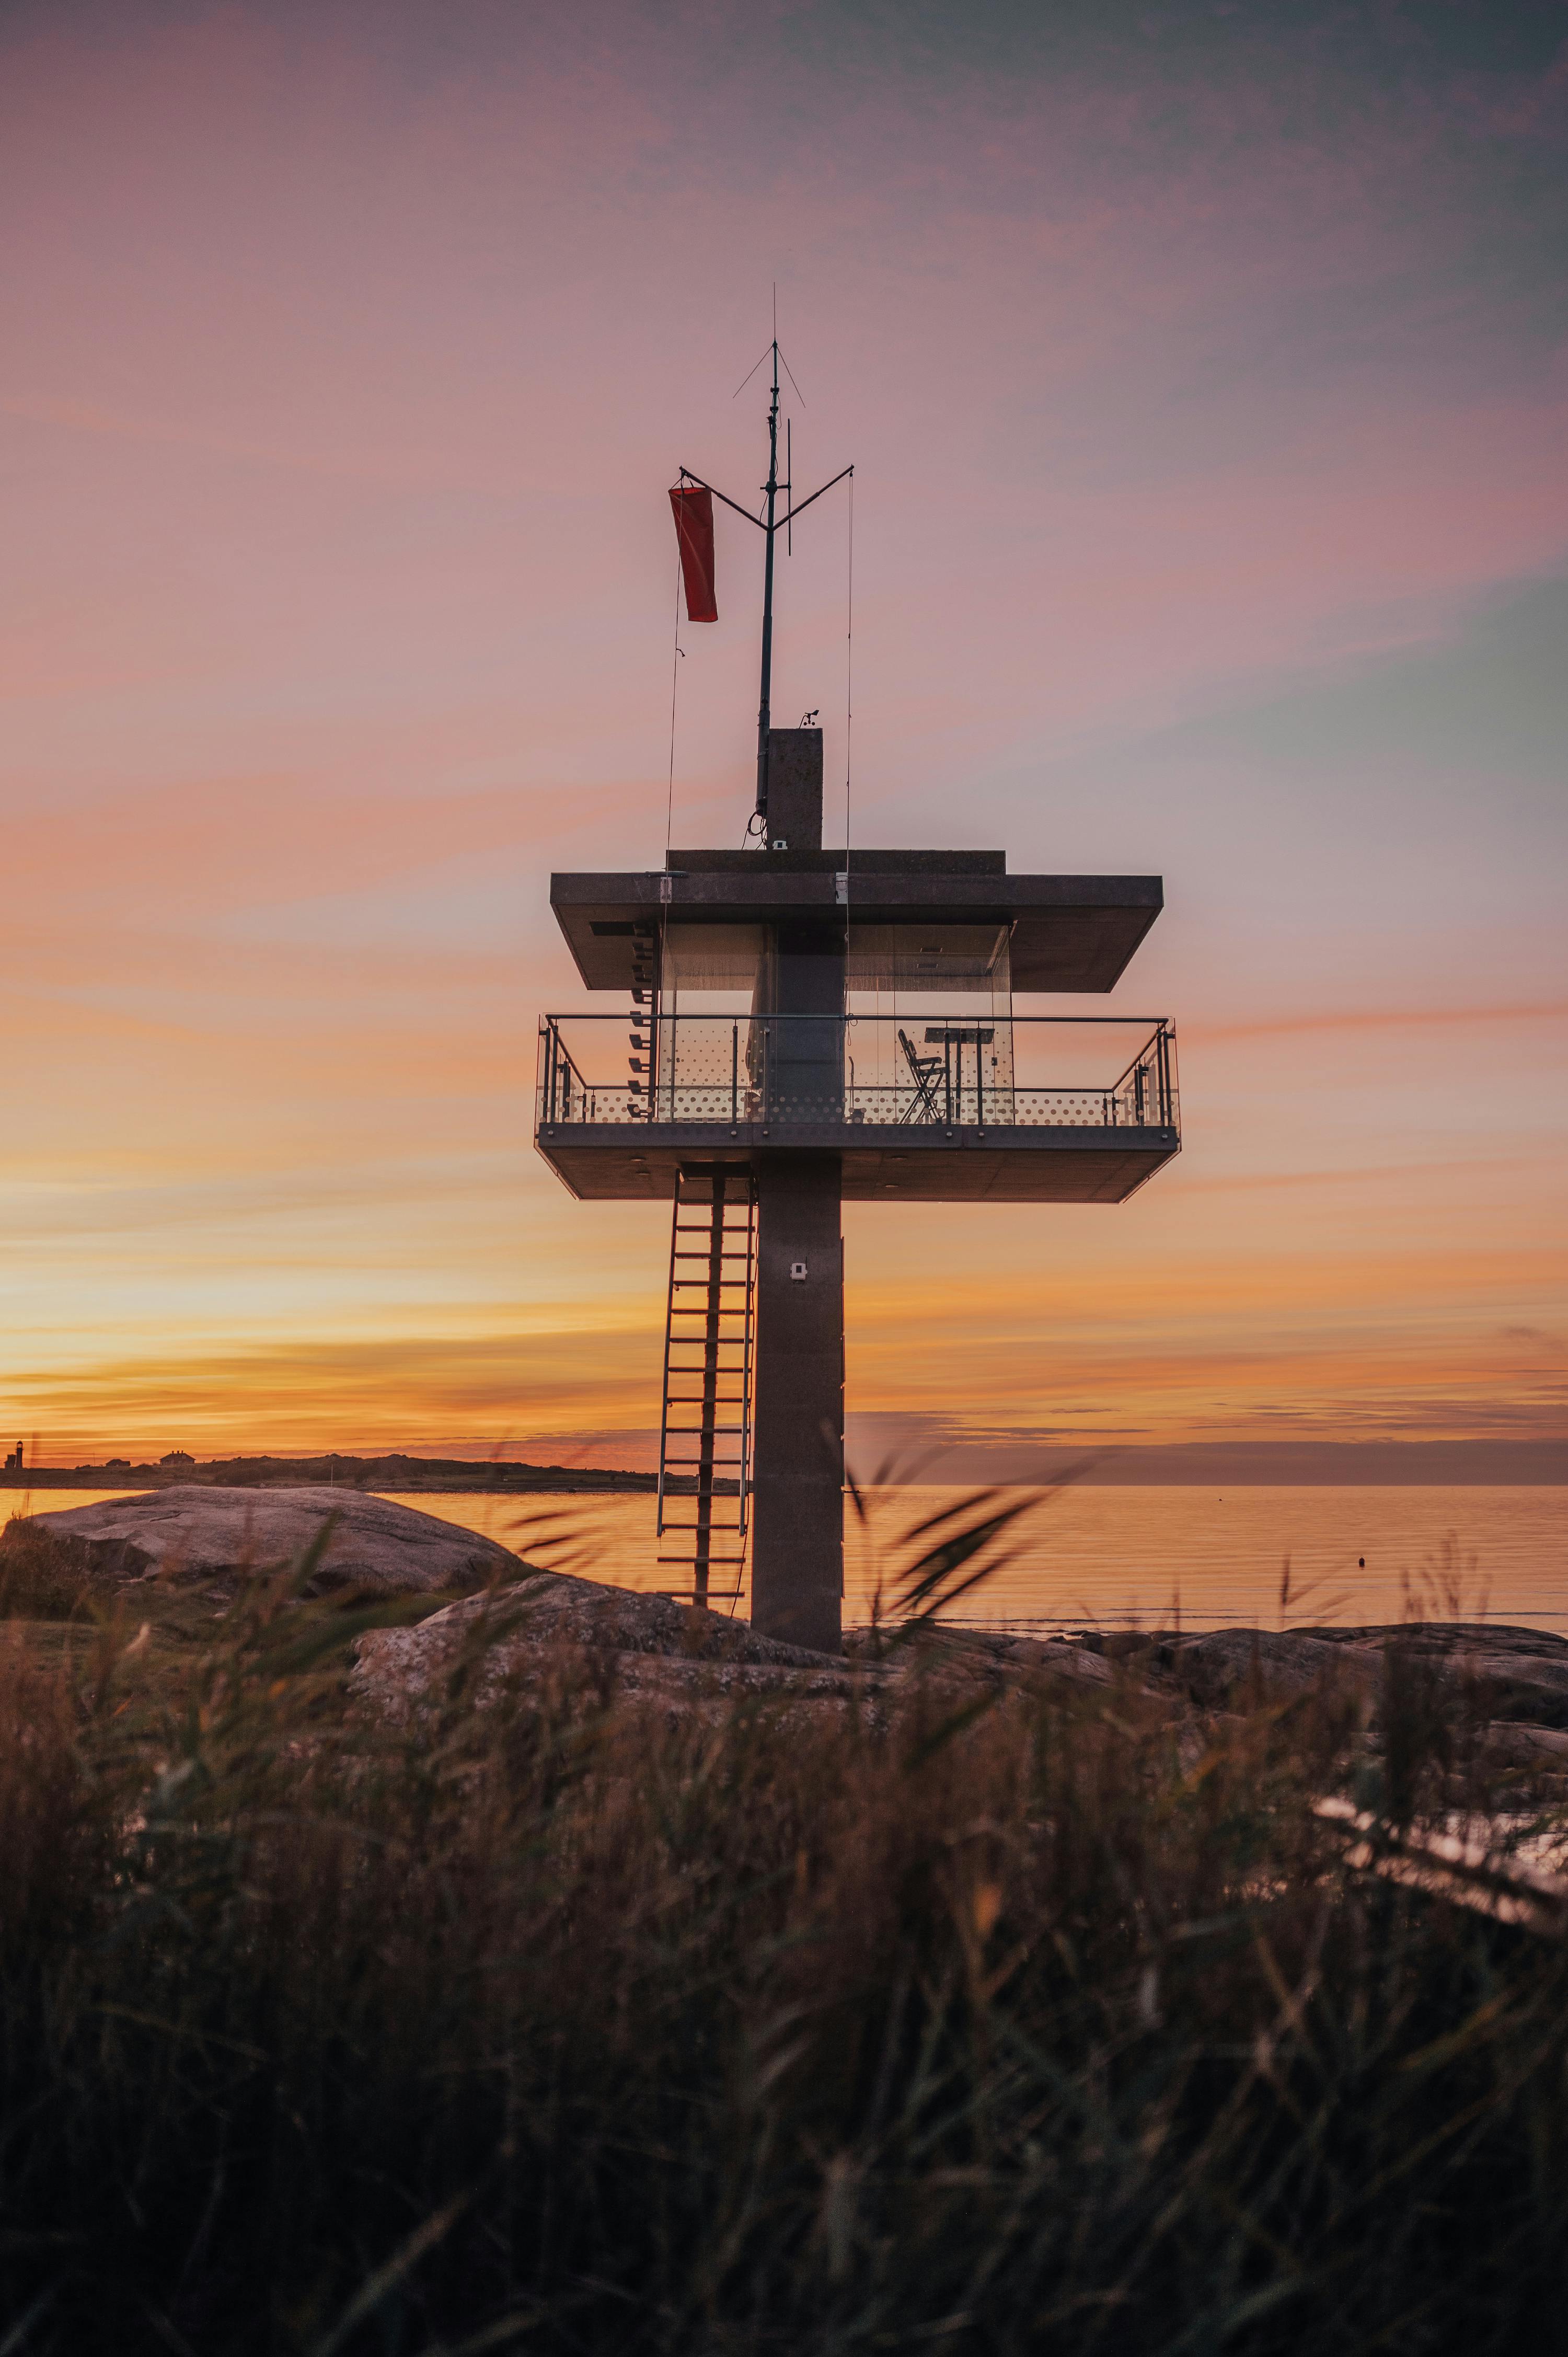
[
  {"x": 1154, "y": 1023},
  {"x": 558, "y": 1057},
  {"x": 792, "y": 1069}
]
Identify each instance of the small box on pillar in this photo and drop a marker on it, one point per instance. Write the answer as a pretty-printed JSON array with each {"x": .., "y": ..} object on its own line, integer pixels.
[{"x": 794, "y": 789}]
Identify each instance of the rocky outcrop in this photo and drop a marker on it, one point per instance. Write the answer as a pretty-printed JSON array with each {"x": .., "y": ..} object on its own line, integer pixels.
[
  {"x": 224, "y": 1534},
  {"x": 644, "y": 1645},
  {"x": 1526, "y": 1746},
  {"x": 984, "y": 1650},
  {"x": 1503, "y": 1672},
  {"x": 1228, "y": 1662},
  {"x": 1511, "y": 1683},
  {"x": 1508, "y": 1685},
  {"x": 650, "y": 1648}
]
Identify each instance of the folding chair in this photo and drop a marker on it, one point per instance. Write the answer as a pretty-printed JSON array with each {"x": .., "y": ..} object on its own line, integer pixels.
[{"x": 926, "y": 1071}]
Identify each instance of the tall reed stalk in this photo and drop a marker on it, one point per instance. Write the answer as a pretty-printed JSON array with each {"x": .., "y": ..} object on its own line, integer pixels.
[{"x": 1046, "y": 2022}]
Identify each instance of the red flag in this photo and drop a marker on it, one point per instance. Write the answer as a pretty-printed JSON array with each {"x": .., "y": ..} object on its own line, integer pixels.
[{"x": 694, "y": 510}]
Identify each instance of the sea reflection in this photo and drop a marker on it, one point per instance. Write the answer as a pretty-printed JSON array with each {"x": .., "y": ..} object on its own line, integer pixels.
[{"x": 1106, "y": 1557}]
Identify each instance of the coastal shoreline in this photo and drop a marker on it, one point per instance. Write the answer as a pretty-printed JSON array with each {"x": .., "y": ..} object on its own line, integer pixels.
[{"x": 437, "y": 1476}]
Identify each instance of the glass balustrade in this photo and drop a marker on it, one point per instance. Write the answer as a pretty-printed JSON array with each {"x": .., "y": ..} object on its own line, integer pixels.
[{"x": 899, "y": 1072}]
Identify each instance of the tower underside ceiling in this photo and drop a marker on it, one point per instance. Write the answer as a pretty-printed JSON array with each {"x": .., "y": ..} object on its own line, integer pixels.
[{"x": 640, "y": 1162}]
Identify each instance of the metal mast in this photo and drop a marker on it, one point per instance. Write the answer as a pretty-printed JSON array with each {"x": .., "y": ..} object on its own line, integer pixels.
[
  {"x": 769, "y": 524},
  {"x": 763, "y": 708}
]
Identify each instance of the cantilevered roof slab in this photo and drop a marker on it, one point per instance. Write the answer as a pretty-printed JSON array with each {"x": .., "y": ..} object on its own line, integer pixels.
[{"x": 1068, "y": 932}]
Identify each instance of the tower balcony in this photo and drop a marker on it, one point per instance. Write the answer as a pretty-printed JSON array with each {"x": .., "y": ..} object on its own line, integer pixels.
[{"x": 966, "y": 1107}]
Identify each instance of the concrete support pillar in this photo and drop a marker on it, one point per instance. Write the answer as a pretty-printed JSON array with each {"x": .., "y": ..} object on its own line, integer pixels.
[{"x": 797, "y": 1549}]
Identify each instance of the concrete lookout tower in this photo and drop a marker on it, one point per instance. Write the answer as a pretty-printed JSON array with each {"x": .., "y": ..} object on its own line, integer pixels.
[{"x": 809, "y": 1026}]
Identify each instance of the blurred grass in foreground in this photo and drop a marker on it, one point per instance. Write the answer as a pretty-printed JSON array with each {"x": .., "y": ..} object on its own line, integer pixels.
[{"x": 1031, "y": 2017}]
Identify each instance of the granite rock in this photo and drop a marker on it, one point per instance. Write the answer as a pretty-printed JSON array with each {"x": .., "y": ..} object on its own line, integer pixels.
[
  {"x": 1278, "y": 1664},
  {"x": 646, "y": 1646},
  {"x": 224, "y": 1534}
]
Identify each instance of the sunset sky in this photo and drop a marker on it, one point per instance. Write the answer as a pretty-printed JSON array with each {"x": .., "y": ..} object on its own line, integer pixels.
[{"x": 1205, "y": 371}]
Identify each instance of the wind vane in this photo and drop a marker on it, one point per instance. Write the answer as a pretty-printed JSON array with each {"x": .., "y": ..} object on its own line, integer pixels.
[{"x": 692, "y": 499}]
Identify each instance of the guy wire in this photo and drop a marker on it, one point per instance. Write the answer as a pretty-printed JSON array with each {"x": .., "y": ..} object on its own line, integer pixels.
[{"x": 849, "y": 667}]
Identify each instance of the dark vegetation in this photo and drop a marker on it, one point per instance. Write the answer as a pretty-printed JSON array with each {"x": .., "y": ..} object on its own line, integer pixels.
[
  {"x": 441, "y": 1474},
  {"x": 1019, "y": 2016}
]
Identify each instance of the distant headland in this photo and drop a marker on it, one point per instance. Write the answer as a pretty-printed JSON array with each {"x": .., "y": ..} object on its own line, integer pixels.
[{"x": 393, "y": 1472}]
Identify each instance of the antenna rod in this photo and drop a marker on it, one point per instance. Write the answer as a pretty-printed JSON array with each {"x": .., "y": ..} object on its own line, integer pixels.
[
  {"x": 772, "y": 489},
  {"x": 774, "y": 524}
]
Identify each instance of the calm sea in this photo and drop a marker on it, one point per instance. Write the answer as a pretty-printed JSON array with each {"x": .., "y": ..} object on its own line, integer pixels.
[{"x": 1087, "y": 1556}]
